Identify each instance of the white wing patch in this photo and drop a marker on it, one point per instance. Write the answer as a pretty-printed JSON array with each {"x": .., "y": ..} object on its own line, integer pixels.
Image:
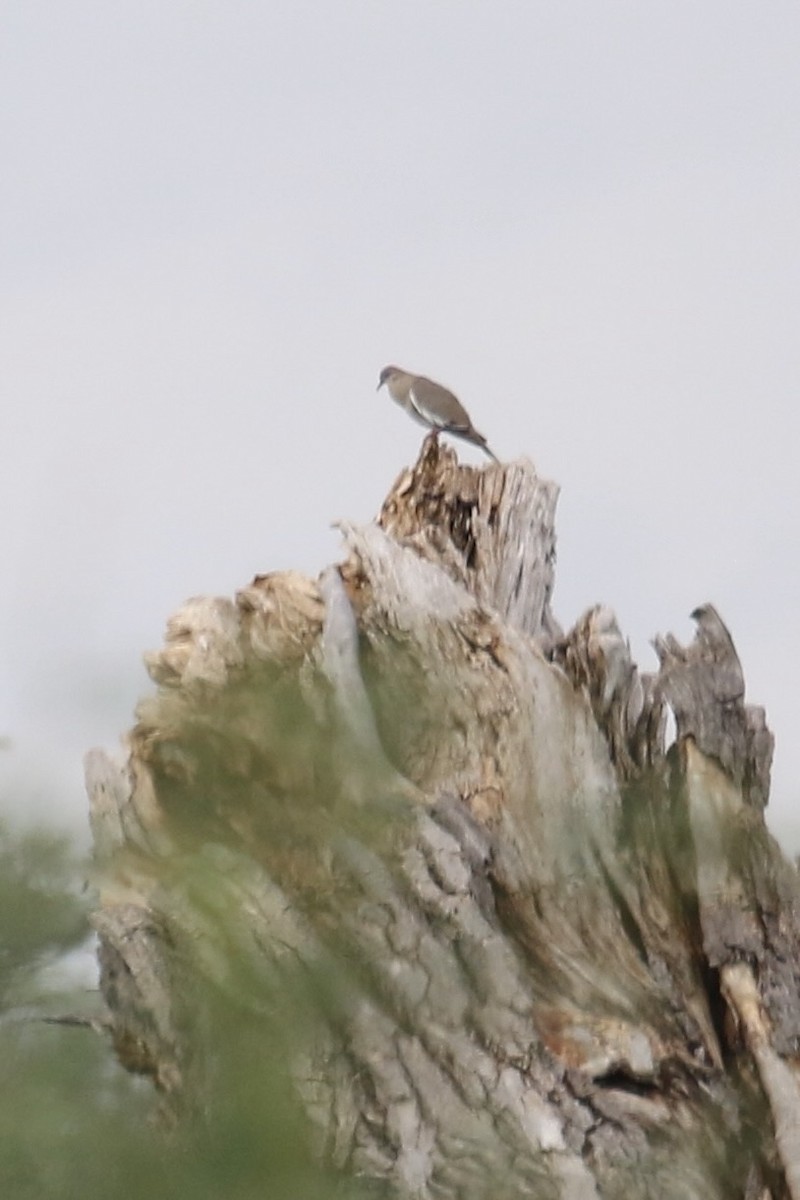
[{"x": 424, "y": 414}]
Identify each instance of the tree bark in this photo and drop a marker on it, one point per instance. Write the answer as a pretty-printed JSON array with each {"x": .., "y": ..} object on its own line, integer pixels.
[{"x": 537, "y": 951}]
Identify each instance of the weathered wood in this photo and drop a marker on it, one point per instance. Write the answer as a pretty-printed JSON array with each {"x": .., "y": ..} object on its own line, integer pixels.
[
  {"x": 704, "y": 686},
  {"x": 526, "y": 913},
  {"x": 490, "y": 529}
]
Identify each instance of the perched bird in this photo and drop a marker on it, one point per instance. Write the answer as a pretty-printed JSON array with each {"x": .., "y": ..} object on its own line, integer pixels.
[{"x": 432, "y": 405}]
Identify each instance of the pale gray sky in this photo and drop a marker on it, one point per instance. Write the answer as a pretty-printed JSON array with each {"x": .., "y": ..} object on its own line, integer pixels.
[{"x": 220, "y": 220}]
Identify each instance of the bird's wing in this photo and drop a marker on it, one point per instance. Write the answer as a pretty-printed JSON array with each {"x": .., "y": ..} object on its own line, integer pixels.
[{"x": 437, "y": 406}]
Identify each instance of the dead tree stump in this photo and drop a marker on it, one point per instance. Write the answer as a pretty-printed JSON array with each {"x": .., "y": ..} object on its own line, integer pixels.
[{"x": 537, "y": 952}]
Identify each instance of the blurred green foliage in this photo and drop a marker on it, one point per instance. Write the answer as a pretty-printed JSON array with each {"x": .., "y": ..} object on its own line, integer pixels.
[
  {"x": 41, "y": 911},
  {"x": 73, "y": 1123}
]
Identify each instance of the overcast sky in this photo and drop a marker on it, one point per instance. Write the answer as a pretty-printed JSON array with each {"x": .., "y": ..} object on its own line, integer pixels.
[{"x": 220, "y": 220}]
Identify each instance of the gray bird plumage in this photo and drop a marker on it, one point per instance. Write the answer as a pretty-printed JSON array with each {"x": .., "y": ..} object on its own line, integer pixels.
[{"x": 432, "y": 406}]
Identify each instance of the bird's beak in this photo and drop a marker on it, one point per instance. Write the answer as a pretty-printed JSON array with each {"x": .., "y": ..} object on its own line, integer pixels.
[{"x": 380, "y": 384}]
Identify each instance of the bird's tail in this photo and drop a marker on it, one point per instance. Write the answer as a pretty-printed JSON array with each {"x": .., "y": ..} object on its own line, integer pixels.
[
  {"x": 480, "y": 440},
  {"x": 477, "y": 439}
]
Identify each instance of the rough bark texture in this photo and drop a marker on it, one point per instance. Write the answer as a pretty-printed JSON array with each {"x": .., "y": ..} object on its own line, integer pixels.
[{"x": 555, "y": 957}]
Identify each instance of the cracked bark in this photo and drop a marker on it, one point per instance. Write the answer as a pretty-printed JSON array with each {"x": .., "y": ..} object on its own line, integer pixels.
[{"x": 538, "y": 953}]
